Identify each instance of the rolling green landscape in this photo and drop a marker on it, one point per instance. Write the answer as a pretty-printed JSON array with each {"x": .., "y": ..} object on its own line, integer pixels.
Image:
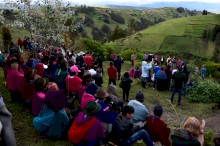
[
  {"x": 175, "y": 36},
  {"x": 165, "y": 31}
]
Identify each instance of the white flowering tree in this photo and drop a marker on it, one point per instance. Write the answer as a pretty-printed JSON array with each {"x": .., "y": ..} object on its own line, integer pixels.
[{"x": 50, "y": 19}]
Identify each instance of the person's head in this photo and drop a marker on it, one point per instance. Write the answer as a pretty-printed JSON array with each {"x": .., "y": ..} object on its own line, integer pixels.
[
  {"x": 92, "y": 108},
  {"x": 86, "y": 79},
  {"x": 128, "y": 112},
  {"x": 192, "y": 125},
  {"x": 74, "y": 70},
  {"x": 13, "y": 62},
  {"x": 98, "y": 71},
  {"x": 111, "y": 64},
  {"x": 101, "y": 94},
  {"x": 126, "y": 75},
  {"x": 91, "y": 88},
  {"x": 118, "y": 57},
  {"x": 41, "y": 84},
  {"x": 139, "y": 96},
  {"x": 29, "y": 74},
  {"x": 158, "y": 110}
]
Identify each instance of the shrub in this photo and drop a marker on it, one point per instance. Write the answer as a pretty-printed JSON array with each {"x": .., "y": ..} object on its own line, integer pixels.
[
  {"x": 6, "y": 37},
  {"x": 208, "y": 138},
  {"x": 96, "y": 48},
  {"x": 204, "y": 91},
  {"x": 213, "y": 69},
  {"x": 117, "y": 18},
  {"x": 126, "y": 54}
]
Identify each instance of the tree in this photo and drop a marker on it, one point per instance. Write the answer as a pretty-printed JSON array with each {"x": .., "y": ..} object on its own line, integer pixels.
[
  {"x": 204, "y": 12},
  {"x": 118, "y": 33},
  {"x": 8, "y": 14},
  {"x": 46, "y": 18},
  {"x": 132, "y": 26},
  {"x": 6, "y": 37}
]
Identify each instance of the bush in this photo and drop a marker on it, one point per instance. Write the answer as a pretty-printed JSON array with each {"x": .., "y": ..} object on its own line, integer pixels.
[
  {"x": 208, "y": 138},
  {"x": 204, "y": 91},
  {"x": 117, "y": 18},
  {"x": 212, "y": 69},
  {"x": 126, "y": 55},
  {"x": 96, "y": 48}
]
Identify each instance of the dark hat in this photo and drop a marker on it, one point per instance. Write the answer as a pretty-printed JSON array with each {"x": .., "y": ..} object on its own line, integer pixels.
[
  {"x": 101, "y": 93},
  {"x": 91, "y": 88},
  {"x": 13, "y": 60},
  {"x": 140, "y": 96},
  {"x": 92, "y": 108}
]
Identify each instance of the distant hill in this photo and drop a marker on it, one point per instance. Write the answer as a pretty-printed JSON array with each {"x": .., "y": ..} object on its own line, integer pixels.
[
  {"x": 100, "y": 22},
  {"x": 199, "y": 6},
  {"x": 190, "y": 35}
]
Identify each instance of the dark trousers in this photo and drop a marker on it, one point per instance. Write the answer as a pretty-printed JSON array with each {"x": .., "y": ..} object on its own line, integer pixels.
[
  {"x": 112, "y": 81},
  {"x": 125, "y": 94},
  {"x": 174, "y": 90},
  {"x": 119, "y": 73}
]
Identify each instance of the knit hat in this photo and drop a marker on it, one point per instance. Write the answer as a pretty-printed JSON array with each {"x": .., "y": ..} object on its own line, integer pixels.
[
  {"x": 101, "y": 93},
  {"x": 74, "y": 69},
  {"x": 91, "y": 88},
  {"x": 139, "y": 96},
  {"x": 92, "y": 108}
]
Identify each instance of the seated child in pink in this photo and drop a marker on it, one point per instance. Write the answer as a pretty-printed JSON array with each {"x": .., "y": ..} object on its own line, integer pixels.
[{"x": 39, "y": 95}]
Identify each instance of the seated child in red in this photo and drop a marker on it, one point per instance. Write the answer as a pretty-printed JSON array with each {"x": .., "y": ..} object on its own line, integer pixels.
[{"x": 73, "y": 82}]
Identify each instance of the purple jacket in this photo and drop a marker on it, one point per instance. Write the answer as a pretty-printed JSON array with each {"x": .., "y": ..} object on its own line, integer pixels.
[{"x": 95, "y": 131}]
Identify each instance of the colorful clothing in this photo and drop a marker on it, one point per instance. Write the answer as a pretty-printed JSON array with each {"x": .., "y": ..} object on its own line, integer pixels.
[
  {"x": 73, "y": 83},
  {"x": 158, "y": 130}
]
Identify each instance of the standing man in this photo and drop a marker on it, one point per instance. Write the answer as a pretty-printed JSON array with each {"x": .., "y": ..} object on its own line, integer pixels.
[
  {"x": 88, "y": 60},
  {"x": 178, "y": 79},
  {"x": 117, "y": 63},
  {"x": 112, "y": 74},
  {"x": 133, "y": 58},
  {"x": 145, "y": 72},
  {"x": 100, "y": 61}
]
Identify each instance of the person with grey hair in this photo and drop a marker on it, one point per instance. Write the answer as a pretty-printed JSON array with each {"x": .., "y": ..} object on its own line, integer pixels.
[{"x": 7, "y": 132}]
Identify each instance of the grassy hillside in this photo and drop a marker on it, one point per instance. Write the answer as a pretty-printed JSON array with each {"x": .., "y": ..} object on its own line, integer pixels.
[{"x": 176, "y": 35}]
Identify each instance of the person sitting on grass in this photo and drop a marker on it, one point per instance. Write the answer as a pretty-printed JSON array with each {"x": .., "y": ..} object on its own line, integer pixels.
[
  {"x": 124, "y": 132},
  {"x": 140, "y": 110},
  {"x": 53, "y": 119},
  {"x": 73, "y": 83},
  {"x": 14, "y": 79},
  {"x": 105, "y": 115},
  {"x": 87, "y": 130},
  {"x": 39, "y": 95},
  {"x": 157, "y": 128},
  {"x": 191, "y": 134}
]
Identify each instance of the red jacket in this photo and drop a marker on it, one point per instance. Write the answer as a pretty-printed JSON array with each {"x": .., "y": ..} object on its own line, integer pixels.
[
  {"x": 158, "y": 130},
  {"x": 112, "y": 72},
  {"x": 88, "y": 60}
]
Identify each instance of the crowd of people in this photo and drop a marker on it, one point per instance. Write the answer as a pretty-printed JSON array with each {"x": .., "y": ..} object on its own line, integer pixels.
[{"x": 65, "y": 94}]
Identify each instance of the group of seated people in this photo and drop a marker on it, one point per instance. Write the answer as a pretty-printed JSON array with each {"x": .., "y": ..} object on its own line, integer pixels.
[{"x": 70, "y": 104}]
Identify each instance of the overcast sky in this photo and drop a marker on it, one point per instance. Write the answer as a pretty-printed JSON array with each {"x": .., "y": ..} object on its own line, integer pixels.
[{"x": 137, "y": 2}]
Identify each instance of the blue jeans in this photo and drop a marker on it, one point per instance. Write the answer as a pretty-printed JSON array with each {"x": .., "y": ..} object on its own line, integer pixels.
[
  {"x": 140, "y": 135},
  {"x": 174, "y": 90},
  {"x": 87, "y": 143}
]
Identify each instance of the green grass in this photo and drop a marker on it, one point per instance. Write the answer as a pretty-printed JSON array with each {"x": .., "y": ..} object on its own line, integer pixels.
[
  {"x": 26, "y": 135},
  {"x": 175, "y": 35}
]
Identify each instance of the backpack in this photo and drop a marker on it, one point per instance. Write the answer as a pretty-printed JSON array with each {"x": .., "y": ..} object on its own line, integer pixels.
[{"x": 77, "y": 132}]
